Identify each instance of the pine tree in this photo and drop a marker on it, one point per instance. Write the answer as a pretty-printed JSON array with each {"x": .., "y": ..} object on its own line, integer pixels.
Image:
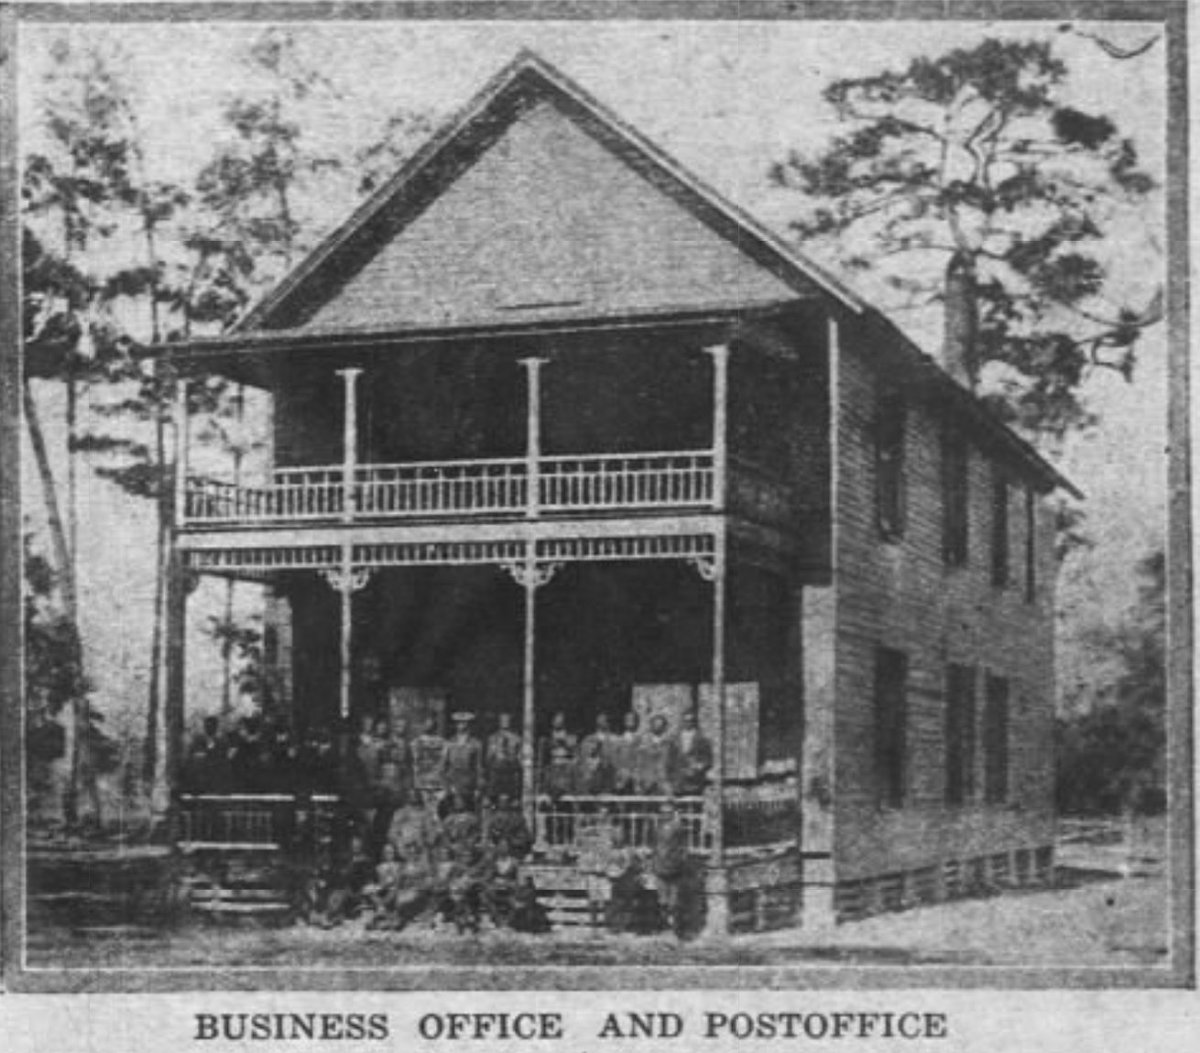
[{"x": 966, "y": 179}]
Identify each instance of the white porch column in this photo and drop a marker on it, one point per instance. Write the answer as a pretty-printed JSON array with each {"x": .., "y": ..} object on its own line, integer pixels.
[
  {"x": 349, "y": 439},
  {"x": 714, "y": 568},
  {"x": 182, "y": 437},
  {"x": 528, "y": 694},
  {"x": 533, "y": 433},
  {"x": 347, "y": 580},
  {"x": 531, "y": 576},
  {"x": 718, "y": 683},
  {"x": 720, "y": 431}
]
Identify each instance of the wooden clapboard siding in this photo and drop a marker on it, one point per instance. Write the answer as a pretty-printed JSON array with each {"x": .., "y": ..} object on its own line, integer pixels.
[
  {"x": 546, "y": 217},
  {"x": 901, "y": 595}
]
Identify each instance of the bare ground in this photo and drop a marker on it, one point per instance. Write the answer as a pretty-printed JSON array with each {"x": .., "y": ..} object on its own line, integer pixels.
[{"x": 1110, "y": 909}]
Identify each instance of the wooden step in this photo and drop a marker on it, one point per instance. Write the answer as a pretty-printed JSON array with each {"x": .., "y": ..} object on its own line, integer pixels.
[
  {"x": 243, "y": 909},
  {"x": 246, "y": 895}
]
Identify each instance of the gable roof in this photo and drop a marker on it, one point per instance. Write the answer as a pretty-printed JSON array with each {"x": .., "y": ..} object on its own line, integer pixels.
[
  {"x": 277, "y": 321},
  {"x": 522, "y": 84}
]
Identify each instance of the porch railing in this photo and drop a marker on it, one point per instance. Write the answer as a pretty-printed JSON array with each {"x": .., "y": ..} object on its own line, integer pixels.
[
  {"x": 565, "y": 484},
  {"x": 760, "y": 815},
  {"x": 246, "y": 822},
  {"x": 567, "y": 825}
]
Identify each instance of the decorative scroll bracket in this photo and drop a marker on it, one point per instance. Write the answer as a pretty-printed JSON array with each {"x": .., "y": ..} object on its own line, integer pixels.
[
  {"x": 707, "y": 566},
  {"x": 346, "y": 579},
  {"x": 531, "y": 575}
]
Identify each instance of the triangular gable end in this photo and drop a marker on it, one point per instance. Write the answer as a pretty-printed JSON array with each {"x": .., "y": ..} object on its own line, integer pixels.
[{"x": 534, "y": 204}]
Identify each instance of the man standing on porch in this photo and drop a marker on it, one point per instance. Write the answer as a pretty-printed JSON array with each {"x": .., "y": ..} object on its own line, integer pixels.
[
  {"x": 690, "y": 759},
  {"x": 429, "y": 762},
  {"x": 503, "y": 761},
  {"x": 623, "y": 751},
  {"x": 463, "y": 760},
  {"x": 559, "y": 751},
  {"x": 602, "y": 736},
  {"x": 653, "y": 756}
]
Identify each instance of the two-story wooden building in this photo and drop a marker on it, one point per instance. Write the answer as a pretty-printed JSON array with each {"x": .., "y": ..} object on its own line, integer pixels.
[{"x": 557, "y": 429}]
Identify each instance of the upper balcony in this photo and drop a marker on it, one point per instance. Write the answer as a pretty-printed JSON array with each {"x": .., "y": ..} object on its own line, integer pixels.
[
  {"x": 680, "y": 477},
  {"x": 511, "y": 487}
]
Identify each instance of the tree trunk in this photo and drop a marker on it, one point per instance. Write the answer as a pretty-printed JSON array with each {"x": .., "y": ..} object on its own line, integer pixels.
[
  {"x": 64, "y": 558},
  {"x": 154, "y": 692}
]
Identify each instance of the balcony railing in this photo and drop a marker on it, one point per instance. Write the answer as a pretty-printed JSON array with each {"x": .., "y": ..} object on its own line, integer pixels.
[{"x": 498, "y": 486}]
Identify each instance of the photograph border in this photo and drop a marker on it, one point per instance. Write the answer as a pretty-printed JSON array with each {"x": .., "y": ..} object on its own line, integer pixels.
[{"x": 1178, "y": 972}]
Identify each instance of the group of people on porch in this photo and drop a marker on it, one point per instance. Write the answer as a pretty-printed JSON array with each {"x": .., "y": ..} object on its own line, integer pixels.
[
  {"x": 386, "y": 763},
  {"x": 433, "y": 828}
]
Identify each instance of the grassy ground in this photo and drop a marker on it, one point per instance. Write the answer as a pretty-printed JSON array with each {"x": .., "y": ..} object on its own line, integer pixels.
[{"x": 1098, "y": 916}]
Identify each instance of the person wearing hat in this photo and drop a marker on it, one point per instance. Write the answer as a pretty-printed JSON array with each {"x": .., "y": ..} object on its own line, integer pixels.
[{"x": 462, "y": 766}]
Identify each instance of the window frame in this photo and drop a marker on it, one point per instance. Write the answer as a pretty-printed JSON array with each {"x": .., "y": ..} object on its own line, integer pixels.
[
  {"x": 997, "y": 720},
  {"x": 1001, "y": 550},
  {"x": 956, "y": 496},
  {"x": 961, "y": 734},
  {"x": 891, "y": 428},
  {"x": 890, "y": 728}
]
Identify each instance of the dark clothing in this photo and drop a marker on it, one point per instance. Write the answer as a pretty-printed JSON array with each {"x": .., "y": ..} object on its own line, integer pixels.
[
  {"x": 689, "y": 761},
  {"x": 279, "y": 774},
  {"x": 340, "y": 892},
  {"x": 461, "y": 832},
  {"x": 508, "y": 825},
  {"x": 670, "y": 865},
  {"x": 558, "y": 765},
  {"x": 623, "y": 753},
  {"x": 429, "y": 761},
  {"x": 528, "y": 914},
  {"x": 393, "y": 773},
  {"x": 462, "y": 770},
  {"x": 651, "y": 764},
  {"x": 594, "y": 776},
  {"x": 670, "y": 850},
  {"x": 605, "y": 739},
  {"x": 246, "y": 764},
  {"x": 318, "y": 768},
  {"x": 503, "y": 764},
  {"x": 207, "y": 766},
  {"x": 368, "y": 748},
  {"x": 626, "y": 907}
]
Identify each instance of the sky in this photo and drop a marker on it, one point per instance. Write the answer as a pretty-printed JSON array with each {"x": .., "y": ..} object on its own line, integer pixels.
[{"x": 726, "y": 99}]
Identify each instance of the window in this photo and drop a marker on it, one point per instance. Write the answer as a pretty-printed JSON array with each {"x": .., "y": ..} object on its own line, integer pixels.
[
  {"x": 995, "y": 741},
  {"x": 1030, "y": 545},
  {"x": 999, "y": 528},
  {"x": 890, "y": 418},
  {"x": 955, "y": 465},
  {"x": 891, "y": 676},
  {"x": 960, "y": 734}
]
